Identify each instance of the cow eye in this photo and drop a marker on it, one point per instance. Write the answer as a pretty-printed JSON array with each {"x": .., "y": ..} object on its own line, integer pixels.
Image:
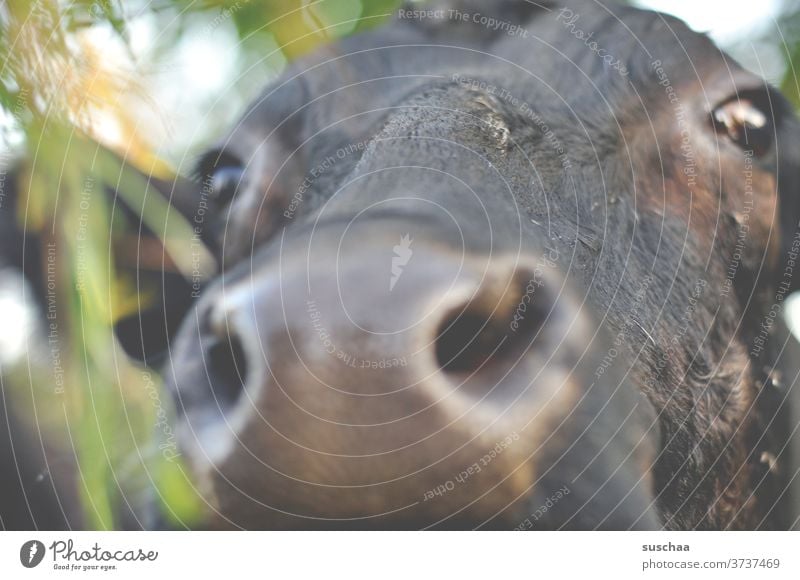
[
  {"x": 224, "y": 183},
  {"x": 746, "y": 122},
  {"x": 222, "y": 175}
]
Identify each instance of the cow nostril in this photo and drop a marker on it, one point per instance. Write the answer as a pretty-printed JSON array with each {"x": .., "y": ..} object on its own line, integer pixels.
[
  {"x": 227, "y": 369},
  {"x": 489, "y": 331}
]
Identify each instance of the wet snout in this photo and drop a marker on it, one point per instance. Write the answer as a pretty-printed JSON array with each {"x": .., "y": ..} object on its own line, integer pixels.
[{"x": 379, "y": 375}]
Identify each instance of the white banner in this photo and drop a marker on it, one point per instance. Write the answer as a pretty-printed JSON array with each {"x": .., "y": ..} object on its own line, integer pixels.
[{"x": 400, "y": 555}]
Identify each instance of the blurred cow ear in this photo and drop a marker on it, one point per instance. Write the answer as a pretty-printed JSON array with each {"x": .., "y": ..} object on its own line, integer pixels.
[
  {"x": 145, "y": 335},
  {"x": 195, "y": 202},
  {"x": 165, "y": 294}
]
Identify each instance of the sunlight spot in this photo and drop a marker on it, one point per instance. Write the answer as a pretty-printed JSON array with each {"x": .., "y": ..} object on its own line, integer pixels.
[
  {"x": 726, "y": 21},
  {"x": 17, "y": 318},
  {"x": 792, "y": 313}
]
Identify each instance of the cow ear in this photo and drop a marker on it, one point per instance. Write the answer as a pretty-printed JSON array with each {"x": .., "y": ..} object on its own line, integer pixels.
[
  {"x": 164, "y": 293},
  {"x": 164, "y": 296},
  {"x": 145, "y": 335}
]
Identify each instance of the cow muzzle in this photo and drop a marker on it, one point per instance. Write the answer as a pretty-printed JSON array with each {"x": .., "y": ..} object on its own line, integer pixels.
[{"x": 376, "y": 373}]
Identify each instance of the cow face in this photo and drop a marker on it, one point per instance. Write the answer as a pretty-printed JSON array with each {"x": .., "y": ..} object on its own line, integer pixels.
[{"x": 465, "y": 280}]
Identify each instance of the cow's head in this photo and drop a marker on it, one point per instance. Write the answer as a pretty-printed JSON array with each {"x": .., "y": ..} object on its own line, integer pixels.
[{"x": 490, "y": 276}]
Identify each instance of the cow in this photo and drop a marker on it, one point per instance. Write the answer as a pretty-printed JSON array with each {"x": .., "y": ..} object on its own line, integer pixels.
[
  {"x": 494, "y": 265},
  {"x": 498, "y": 265}
]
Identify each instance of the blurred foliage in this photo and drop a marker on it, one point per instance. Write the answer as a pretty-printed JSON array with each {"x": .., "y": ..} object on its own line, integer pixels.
[
  {"x": 299, "y": 25},
  {"x": 58, "y": 91}
]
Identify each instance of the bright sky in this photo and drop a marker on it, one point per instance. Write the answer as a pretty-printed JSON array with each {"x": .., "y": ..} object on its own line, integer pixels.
[
  {"x": 736, "y": 25},
  {"x": 727, "y": 21}
]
